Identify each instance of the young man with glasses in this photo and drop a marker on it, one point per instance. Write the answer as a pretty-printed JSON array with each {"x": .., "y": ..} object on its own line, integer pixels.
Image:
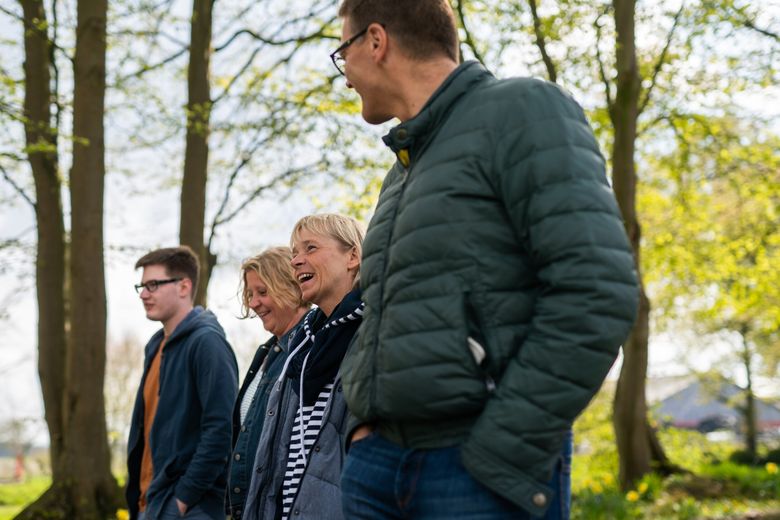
[
  {"x": 498, "y": 280},
  {"x": 180, "y": 434}
]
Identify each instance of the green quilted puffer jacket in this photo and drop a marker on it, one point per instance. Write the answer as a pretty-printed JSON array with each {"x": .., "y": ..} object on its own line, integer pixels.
[{"x": 498, "y": 281}]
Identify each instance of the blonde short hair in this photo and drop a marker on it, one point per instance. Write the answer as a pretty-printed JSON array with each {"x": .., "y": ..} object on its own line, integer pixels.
[
  {"x": 343, "y": 229},
  {"x": 274, "y": 267}
]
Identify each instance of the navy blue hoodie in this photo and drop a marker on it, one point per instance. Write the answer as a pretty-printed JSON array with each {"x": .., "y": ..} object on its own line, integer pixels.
[{"x": 191, "y": 434}]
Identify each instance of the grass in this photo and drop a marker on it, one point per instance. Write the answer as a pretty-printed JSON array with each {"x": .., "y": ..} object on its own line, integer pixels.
[
  {"x": 715, "y": 487},
  {"x": 13, "y": 497}
]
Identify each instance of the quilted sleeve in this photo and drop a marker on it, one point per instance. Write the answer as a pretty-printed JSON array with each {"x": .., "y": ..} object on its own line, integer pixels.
[{"x": 551, "y": 178}]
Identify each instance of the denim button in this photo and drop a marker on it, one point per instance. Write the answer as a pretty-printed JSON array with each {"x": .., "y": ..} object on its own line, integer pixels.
[
  {"x": 243, "y": 428},
  {"x": 277, "y": 349},
  {"x": 402, "y": 134},
  {"x": 237, "y": 456},
  {"x": 297, "y": 512},
  {"x": 270, "y": 412},
  {"x": 317, "y": 448},
  {"x": 539, "y": 500},
  {"x": 236, "y": 489}
]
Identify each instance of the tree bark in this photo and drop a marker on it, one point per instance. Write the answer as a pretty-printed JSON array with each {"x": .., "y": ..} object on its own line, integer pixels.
[
  {"x": 751, "y": 433},
  {"x": 41, "y": 140},
  {"x": 638, "y": 450},
  {"x": 93, "y": 490},
  {"x": 196, "y": 156},
  {"x": 71, "y": 359}
]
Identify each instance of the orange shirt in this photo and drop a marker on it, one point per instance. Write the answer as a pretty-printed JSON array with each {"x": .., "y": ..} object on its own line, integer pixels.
[{"x": 151, "y": 397}]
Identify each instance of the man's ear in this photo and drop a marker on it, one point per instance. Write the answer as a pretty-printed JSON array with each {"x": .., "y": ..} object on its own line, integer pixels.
[
  {"x": 378, "y": 40},
  {"x": 185, "y": 288}
]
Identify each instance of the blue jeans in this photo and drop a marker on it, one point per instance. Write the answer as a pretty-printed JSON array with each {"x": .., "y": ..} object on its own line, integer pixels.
[{"x": 381, "y": 480}]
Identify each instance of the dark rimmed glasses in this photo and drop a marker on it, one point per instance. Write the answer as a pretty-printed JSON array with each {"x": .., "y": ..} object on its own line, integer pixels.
[
  {"x": 153, "y": 285},
  {"x": 337, "y": 58}
]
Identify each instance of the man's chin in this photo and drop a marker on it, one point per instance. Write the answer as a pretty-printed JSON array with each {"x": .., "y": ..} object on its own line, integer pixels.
[{"x": 375, "y": 118}]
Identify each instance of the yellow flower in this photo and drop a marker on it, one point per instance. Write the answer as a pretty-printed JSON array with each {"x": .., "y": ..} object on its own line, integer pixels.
[
  {"x": 632, "y": 496},
  {"x": 596, "y": 487},
  {"x": 608, "y": 479},
  {"x": 771, "y": 468},
  {"x": 643, "y": 488},
  {"x": 122, "y": 514}
]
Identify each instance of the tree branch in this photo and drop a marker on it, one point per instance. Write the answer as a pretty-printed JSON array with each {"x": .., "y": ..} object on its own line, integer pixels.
[
  {"x": 318, "y": 34},
  {"x": 751, "y": 25},
  {"x": 258, "y": 191},
  {"x": 661, "y": 60},
  {"x": 17, "y": 16},
  {"x": 469, "y": 39},
  {"x": 246, "y": 157},
  {"x": 55, "y": 69},
  {"x": 18, "y": 189},
  {"x": 157, "y": 65},
  {"x": 602, "y": 72},
  {"x": 548, "y": 63}
]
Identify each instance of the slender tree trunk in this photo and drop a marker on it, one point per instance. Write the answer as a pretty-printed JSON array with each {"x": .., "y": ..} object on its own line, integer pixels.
[
  {"x": 41, "y": 140},
  {"x": 637, "y": 446},
  {"x": 751, "y": 434},
  {"x": 93, "y": 489},
  {"x": 196, "y": 156},
  {"x": 71, "y": 362}
]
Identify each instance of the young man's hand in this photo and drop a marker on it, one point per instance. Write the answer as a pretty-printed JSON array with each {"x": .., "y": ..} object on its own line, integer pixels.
[{"x": 182, "y": 507}]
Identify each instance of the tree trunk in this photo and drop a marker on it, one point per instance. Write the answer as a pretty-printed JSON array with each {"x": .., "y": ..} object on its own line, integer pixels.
[
  {"x": 41, "y": 140},
  {"x": 637, "y": 447},
  {"x": 196, "y": 156},
  {"x": 71, "y": 362},
  {"x": 751, "y": 434},
  {"x": 93, "y": 490}
]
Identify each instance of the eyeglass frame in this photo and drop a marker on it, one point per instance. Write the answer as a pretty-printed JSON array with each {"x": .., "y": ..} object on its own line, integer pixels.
[
  {"x": 335, "y": 56},
  {"x": 139, "y": 287}
]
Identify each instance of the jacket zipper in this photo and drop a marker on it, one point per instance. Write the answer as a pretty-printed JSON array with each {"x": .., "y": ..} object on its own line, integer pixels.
[{"x": 325, "y": 419}]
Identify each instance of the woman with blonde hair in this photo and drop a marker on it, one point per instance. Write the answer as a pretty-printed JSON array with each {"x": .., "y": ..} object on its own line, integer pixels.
[
  {"x": 270, "y": 292},
  {"x": 299, "y": 459}
]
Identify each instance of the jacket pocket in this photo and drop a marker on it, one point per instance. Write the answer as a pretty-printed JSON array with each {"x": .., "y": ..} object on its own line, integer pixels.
[{"x": 475, "y": 341}]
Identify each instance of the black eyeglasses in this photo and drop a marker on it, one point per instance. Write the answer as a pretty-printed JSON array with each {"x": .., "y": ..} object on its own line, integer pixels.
[
  {"x": 337, "y": 58},
  {"x": 152, "y": 285}
]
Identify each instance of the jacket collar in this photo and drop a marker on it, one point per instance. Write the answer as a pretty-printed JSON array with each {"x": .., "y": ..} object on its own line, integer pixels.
[{"x": 408, "y": 139}]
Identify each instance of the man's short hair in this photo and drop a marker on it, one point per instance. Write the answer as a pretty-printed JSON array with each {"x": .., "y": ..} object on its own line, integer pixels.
[
  {"x": 179, "y": 262},
  {"x": 423, "y": 28}
]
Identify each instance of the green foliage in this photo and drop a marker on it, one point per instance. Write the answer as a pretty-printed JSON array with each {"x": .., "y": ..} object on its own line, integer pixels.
[
  {"x": 712, "y": 488},
  {"x": 748, "y": 481},
  {"x": 712, "y": 233}
]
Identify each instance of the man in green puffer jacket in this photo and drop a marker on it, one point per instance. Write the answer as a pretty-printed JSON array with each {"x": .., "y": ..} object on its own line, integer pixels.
[{"x": 497, "y": 277}]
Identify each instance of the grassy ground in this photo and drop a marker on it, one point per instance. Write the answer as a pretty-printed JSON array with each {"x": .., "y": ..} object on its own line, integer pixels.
[
  {"x": 715, "y": 487},
  {"x": 13, "y": 497}
]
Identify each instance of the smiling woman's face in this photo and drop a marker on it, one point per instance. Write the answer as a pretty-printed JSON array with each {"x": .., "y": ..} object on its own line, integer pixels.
[
  {"x": 277, "y": 319},
  {"x": 324, "y": 268}
]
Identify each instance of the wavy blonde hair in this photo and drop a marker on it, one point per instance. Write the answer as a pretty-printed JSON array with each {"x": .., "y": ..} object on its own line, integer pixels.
[{"x": 274, "y": 267}]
